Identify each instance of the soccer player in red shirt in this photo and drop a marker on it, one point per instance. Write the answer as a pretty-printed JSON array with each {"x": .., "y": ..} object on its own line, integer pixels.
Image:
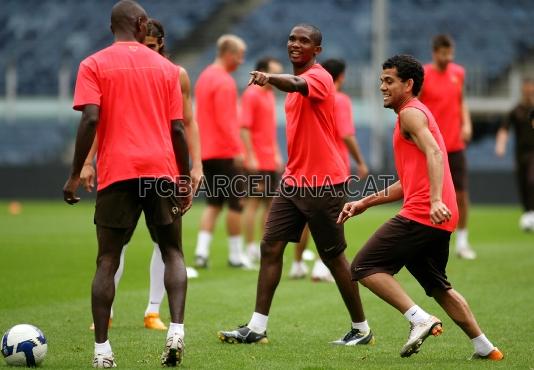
[
  {"x": 129, "y": 95},
  {"x": 154, "y": 39},
  {"x": 348, "y": 146},
  {"x": 443, "y": 94},
  {"x": 263, "y": 160},
  {"x": 312, "y": 189},
  {"x": 418, "y": 237},
  {"x": 221, "y": 149}
]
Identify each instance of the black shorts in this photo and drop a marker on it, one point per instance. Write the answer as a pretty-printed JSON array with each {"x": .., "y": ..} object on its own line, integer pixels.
[
  {"x": 262, "y": 184},
  {"x": 400, "y": 242},
  {"x": 223, "y": 183},
  {"x": 458, "y": 166},
  {"x": 120, "y": 204},
  {"x": 291, "y": 210}
]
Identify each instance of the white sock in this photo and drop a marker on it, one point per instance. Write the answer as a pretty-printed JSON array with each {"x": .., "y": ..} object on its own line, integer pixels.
[
  {"x": 175, "y": 328},
  {"x": 361, "y": 326},
  {"x": 416, "y": 314},
  {"x": 252, "y": 247},
  {"x": 203, "y": 244},
  {"x": 235, "y": 248},
  {"x": 461, "y": 238},
  {"x": 258, "y": 322},
  {"x": 103, "y": 348},
  {"x": 157, "y": 286},
  {"x": 482, "y": 345}
]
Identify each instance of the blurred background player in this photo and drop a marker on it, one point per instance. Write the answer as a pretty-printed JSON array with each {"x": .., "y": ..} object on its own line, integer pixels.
[
  {"x": 216, "y": 101},
  {"x": 131, "y": 96},
  {"x": 443, "y": 94},
  {"x": 348, "y": 146},
  {"x": 310, "y": 190},
  {"x": 263, "y": 159},
  {"x": 520, "y": 119},
  {"x": 154, "y": 39},
  {"x": 418, "y": 236}
]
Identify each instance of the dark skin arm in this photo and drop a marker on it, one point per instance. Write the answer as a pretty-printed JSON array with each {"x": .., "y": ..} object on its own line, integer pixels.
[
  {"x": 84, "y": 140},
  {"x": 181, "y": 153},
  {"x": 283, "y": 82}
]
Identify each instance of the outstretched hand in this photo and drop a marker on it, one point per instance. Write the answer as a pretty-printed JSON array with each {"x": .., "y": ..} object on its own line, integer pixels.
[
  {"x": 350, "y": 209},
  {"x": 258, "y": 78}
]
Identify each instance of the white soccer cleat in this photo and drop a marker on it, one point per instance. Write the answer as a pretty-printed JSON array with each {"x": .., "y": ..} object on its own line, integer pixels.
[
  {"x": 192, "y": 272},
  {"x": 321, "y": 273},
  {"x": 104, "y": 361},
  {"x": 299, "y": 270},
  {"x": 466, "y": 252},
  {"x": 173, "y": 353},
  {"x": 418, "y": 333}
]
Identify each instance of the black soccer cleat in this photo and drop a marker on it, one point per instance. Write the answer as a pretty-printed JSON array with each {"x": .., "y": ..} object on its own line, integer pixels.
[
  {"x": 356, "y": 337},
  {"x": 243, "y": 334}
]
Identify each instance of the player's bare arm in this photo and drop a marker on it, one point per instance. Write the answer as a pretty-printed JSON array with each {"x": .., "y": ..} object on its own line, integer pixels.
[
  {"x": 500, "y": 142},
  {"x": 354, "y": 149},
  {"x": 283, "y": 82},
  {"x": 181, "y": 153},
  {"x": 467, "y": 124},
  {"x": 88, "y": 173},
  {"x": 414, "y": 125},
  {"x": 390, "y": 194},
  {"x": 84, "y": 141},
  {"x": 191, "y": 131},
  {"x": 252, "y": 164}
]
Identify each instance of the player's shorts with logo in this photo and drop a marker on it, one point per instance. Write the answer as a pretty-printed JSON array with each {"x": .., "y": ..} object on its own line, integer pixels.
[
  {"x": 400, "y": 242},
  {"x": 119, "y": 205},
  {"x": 293, "y": 207},
  {"x": 262, "y": 184},
  {"x": 223, "y": 183}
]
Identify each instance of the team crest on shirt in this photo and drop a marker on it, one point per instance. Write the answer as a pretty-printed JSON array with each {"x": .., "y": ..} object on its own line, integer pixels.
[
  {"x": 454, "y": 79},
  {"x": 132, "y": 47}
]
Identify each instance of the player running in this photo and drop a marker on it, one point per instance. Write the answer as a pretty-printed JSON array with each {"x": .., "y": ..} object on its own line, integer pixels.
[
  {"x": 154, "y": 39},
  {"x": 221, "y": 149},
  {"x": 443, "y": 94},
  {"x": 311, "y": 190},
  {"x": 418, "y": 237},
  {"x": 263, "y": 160},
  {"x": 348, "y": 146},
  {"x": 130, "y": 96}
]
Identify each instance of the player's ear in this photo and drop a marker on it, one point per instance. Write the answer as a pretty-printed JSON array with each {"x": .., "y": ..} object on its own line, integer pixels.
[
  {"x": 409, "y": 85},
  {"x": 318, "y": 50}
]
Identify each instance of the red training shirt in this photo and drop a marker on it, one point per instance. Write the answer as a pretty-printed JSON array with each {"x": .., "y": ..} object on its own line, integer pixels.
[
  {"x": 258, "y": 114},
  {"x": 138, "y": 92},
  {"x": 313, "y": 157},
  {"x": 344, "y": 125},
  {"x": 442, "y": 94},
  {"x": 216, "y": 110},
  {"x": 411, "y": 165}
]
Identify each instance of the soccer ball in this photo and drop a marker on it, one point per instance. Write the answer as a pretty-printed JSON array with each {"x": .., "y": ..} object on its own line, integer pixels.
[
  {"x": 24, "y": 345},
  {"x": 526, "y": 222}
]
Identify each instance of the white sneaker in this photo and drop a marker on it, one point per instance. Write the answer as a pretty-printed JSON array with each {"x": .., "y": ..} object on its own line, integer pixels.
[
  {"x": 174, "y": 351},
  {"x": 192, "y": 272},
  {"x": 465, "y": 252},
  {"x": 104, "y": 361},
  {"x": 299, "y": 270},
  {"x": 308, "y": 255},
  {"x": 321, "y": 273},
  {"x": 418, "y": 333},
  {"x": 526, "y": 222}
]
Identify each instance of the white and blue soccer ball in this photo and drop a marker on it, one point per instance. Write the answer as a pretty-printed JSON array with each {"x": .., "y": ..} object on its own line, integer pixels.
[{"x": 24, "y": 345}]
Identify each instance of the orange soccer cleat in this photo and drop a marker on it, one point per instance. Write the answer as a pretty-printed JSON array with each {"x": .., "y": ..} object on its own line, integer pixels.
[
  {"x": 495, "y": 355},
  {"x": 152, "y": 321}
]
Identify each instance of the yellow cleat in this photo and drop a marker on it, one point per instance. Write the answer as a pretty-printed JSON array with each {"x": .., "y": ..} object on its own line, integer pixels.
[
  {"x": 152, "y": 321},
  {"x": 92, "y": 326}
]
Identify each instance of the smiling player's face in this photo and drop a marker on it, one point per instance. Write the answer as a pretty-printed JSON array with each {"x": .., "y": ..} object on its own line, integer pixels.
[{"x": 300, "y": 46}]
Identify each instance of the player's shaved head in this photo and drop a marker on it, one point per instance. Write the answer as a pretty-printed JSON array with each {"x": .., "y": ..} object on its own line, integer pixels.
[
  {"x": 125, "y": 15},
  {"x": 315, "y": 32},
  {"x": 230, "y": 44}
]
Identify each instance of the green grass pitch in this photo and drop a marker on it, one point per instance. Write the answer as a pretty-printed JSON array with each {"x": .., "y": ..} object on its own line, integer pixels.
[{"x": 47, "y": 260}]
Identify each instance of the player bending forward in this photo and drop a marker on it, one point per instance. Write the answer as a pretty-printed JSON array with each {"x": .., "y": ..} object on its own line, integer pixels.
[{"x": 418, "y": 237}]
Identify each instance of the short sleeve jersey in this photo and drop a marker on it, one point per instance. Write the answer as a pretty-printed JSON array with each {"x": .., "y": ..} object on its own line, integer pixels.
[
  {"x": 442, "y": 94},
  {"x": 344, "y": 125},
  {"x": 313, "y": 157},
  {"x": 216, "y": 111},
  {"x": 411, "y": 165},
  {"x": 258, "y": 114},
  {"x": 138, "y": 92}
]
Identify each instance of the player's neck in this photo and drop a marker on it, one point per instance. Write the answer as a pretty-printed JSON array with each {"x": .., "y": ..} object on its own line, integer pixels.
[
  {"x": 125, "y": 37},
  {"x": 439, "y": 67},
  {"x": 403, "y": 103},
  {"x": 220, "y": 63},
  {"x": 297, "y": 70}
]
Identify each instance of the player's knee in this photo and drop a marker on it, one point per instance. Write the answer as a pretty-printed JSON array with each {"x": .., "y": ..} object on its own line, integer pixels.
[
  {"x": 270, "y": 250},
  {"x": 108, "y": 263}
]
